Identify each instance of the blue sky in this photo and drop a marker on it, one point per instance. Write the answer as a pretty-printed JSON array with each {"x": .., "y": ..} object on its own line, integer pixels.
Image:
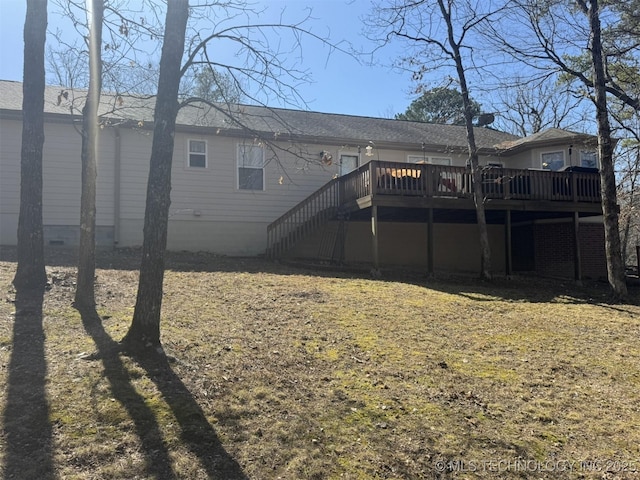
[{"x": 340, "y": 83}]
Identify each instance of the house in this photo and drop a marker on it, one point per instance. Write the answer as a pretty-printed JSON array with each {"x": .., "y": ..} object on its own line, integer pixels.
[{"x": 248, "y": 180}]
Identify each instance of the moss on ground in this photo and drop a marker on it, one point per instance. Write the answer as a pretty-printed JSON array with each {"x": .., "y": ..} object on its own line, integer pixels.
[{"x": 294, "y": 374}]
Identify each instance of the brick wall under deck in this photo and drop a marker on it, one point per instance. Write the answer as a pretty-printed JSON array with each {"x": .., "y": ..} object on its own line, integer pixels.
[{"x": 554, "y": 251}]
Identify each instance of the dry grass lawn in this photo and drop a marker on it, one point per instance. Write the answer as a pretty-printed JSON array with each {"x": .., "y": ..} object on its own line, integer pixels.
[{"x": 282, "y": 372}]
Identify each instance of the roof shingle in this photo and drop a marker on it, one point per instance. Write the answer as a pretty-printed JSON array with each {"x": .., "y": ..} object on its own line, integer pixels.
[{"x": 307, "y": 125}]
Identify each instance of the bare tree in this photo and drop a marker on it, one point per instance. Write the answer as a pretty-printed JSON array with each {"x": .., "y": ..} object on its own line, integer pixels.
[
  {"x": 553, "y": 36},
  {"x": 69, "y": 67},
  {"x": 628, "y": 174},
  {"x": 530, "y": 105},
  {"x": 629, "y": 198},
  {"x": 211, "y": 85},
  {"x": 439, "y": 35},
  {"x": 615, "y": 267},
  {"x": 202, "y": 80},
  {"x": 131, "y": 38},
  {"x": 144, "y": 333},
  {"x": 31, "y": 272},
  {"x": 263, "y": 74},
  {"x": 549, "y": 37},
  {"x": 85, "y": 291}
]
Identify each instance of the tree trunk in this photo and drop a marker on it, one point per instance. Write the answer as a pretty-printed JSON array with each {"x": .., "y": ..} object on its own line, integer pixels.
[
  {"x": 30, "y": 272},
  {"x": 478, "y": 195},
  {"x": 630, "y": 216},
  {"x": 144, "y": 333},
  {"x": 85, "y": 291},
  {"x": 615, "y": 267}
]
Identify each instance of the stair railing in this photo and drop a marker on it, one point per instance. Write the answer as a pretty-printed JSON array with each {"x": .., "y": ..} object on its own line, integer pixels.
[{"x": 309, "y": 214}]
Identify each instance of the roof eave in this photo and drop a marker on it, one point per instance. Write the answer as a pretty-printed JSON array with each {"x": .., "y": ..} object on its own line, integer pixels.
[{"x": 581, "y": 138}]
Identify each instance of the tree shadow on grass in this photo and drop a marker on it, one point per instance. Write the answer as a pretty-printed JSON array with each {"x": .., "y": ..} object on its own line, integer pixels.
[
  {"x": 156, "y": 454},
  {"x": 197, "y": 434},
  {"x": 27, "y": 428}
]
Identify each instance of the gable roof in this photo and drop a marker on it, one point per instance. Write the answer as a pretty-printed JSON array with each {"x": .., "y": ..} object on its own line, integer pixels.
[
  {"x": 341, "y": 129},
  {"x": 285, "y": 124},
  {"x": 551, "y": 136}
]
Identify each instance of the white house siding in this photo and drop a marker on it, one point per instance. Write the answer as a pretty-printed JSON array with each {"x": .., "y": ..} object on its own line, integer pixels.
[
  {"x": 62, "y": 173},
  {"x": 229, "y": 238},
  {"x": 135, "y": 152},
  {"x": 533, "y": 158},
  {"x": 208, "y": 211},
  {"x": 61, "y": 182},
  {"x": 522, "y": 160},
  {"x": 10, "y": 143}
]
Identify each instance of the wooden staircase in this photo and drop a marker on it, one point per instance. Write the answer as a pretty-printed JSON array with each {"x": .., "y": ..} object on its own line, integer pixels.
[{"x": 305, "y": 218}]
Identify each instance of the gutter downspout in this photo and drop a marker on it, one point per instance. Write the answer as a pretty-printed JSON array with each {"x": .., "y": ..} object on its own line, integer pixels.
[{"x": 116, "y": 187}]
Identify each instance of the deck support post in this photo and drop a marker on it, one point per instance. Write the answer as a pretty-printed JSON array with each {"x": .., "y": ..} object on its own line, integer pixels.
[
  {"x": 374, "y": 239},
  {"x": 507, "y": 244},
  {"x": 430, "y": 241},
  {"x": 577, "y": 262}
]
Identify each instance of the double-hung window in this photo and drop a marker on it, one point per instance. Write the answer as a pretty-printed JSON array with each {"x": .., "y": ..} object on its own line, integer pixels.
[
  {"x": 250, "y": 167},
  {"x": 197, "y": 154}
]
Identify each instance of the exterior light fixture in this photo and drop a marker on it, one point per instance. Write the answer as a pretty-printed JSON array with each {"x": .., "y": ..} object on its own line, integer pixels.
[{"x": 369, "y": 151}]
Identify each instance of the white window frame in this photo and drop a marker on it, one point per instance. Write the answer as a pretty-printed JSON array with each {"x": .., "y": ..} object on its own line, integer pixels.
[
  {"x": 590, "y": 152},
  {"x": 191, "y": 152},
  {"x": 553, "y": 152},
  {"x": 240, "y": 164}
]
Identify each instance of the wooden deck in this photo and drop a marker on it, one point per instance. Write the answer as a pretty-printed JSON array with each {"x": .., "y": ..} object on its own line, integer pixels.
[
  {"x": 424, "y": 186},
  {"x": 400, "y": 184}
]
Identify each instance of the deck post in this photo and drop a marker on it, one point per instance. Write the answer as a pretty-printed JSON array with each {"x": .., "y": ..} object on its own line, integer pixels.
[
  {"x": 374, "y": 238},
  {"x": 430, "y": 241},
  {"x": 507, "y": 243},
  {"x": 373, "y": 177},
  {"x": 577, "y": 263}
]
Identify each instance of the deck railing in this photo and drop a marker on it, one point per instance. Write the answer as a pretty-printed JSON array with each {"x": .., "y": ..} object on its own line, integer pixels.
[
  {"x": 425, "y": 180},
  {"x": 393, "y": 178}
]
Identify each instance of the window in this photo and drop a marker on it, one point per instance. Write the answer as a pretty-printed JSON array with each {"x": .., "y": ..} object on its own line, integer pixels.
[
  {"x": 197, "y": 154},
  {"x": 250, "y": 167},
  {"x": 588, "y": 159},
  {"x": 431, "y": 160},
  {"x": 440, "y": 160},
  {"x": 552, "y": 160},
  {"x": 348, "y": 163}
]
